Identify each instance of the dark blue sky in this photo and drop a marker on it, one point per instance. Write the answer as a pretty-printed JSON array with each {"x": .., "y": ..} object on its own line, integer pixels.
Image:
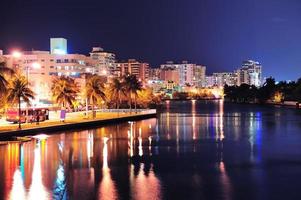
[{"x": 216, "y": 33}]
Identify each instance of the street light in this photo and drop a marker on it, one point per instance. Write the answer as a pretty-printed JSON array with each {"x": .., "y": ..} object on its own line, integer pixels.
[
  {"x": 34, "y": 65},
  {"x": 104, "y": 72},
  {"x": 16, "y": 54}
]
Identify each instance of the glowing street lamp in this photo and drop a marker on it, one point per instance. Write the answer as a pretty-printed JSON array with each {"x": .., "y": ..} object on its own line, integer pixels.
[
  {"x": 16, "y": 54},
  {"x": 34, "y": 65}
]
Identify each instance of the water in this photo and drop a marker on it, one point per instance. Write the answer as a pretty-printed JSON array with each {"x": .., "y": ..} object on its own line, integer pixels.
[{"x": 194, "y": 150}]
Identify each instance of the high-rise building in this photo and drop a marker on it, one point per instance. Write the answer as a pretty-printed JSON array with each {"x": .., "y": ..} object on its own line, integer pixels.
[
  {"x": 134, "y": 67},
  {"x": 189, "y": 74},
  {"x": 199, "y": 73},
  {"x": 221, "y": 79},
  {"x": 105, "y": 62},
  {"x": 250, "y": 73},
  {"x": 58, "y": 46},
  {"x": 170, "y": 75},
  {"x": 209, "y": 81},
  {"x": 154, "y": 73}
]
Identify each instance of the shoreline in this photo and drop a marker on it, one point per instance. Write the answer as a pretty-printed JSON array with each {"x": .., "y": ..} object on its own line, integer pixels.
[
  {"x": 247, "y": 103},
  {"x": 92, "y": 123},
  {"x": 267, "y": 104}
]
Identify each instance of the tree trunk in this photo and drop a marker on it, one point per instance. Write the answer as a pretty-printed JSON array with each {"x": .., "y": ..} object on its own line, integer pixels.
[
  {"x": 130, "y": 102},
  {"x": 87, "y": 109},
  {"x": 118, "y": 102},
  {"x": 19, "y": 112},
  {"x": 93, "y": 113},
  {"x": 135, "y": 102}
]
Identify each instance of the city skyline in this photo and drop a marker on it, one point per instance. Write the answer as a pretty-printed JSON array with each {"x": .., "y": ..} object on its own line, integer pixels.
[{"x": 205, "y": 32}]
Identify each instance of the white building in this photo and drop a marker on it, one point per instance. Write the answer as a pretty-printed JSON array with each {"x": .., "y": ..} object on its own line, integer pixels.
[
  {"x": 250, "y": 73},
  {"x": 189, "y": 74},
  {"x": 221, "y": 79},
  {"x": 105, "y": 62},
  {"x": 199, "y": 73},
  {"x": 39, "y": 67}
]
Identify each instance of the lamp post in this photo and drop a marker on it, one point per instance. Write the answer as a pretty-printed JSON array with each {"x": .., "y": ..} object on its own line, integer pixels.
[
  {"x": 15, "y": 55},
  {"x": 34, "y": 65}
]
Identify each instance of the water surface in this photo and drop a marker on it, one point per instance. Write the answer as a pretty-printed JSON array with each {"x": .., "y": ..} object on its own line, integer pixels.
[{"x": 193, "y": 150}]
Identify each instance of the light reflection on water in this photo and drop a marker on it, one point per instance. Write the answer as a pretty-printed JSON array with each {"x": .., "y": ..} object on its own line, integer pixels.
[
  {"x": 192, "y": 148},
  {"x": 107, "y": 188}
]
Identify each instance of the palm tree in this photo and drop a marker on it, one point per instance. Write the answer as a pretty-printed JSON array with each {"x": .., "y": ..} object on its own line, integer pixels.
[
  {"x": 64, "y": 90},
  {"x": 18, "y": 90},
  {"x": 94, "y": 91},
  {"x": 3, "y": 82},
  {"x": 133, "y": 85},
  {"x": 117, "y": 88}
]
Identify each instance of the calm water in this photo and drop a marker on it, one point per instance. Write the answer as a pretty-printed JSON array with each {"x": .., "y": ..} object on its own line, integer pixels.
[{"x": 194, "y": 150}]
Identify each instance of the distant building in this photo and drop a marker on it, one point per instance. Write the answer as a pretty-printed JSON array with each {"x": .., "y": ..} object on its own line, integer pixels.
[
  {"x": 105, "y": 62},
  {"x": 134, "y": 67},
  {"x": 224, "y": 78},
  {"x": 170, "y": 75},
  {"x": 189, "y": 74},
  {"x": 154, "y": 73},
  {"x": 209, "y": 81},
  {"x": 250, "y": 73},
  {"x": 199, "y": 73}
]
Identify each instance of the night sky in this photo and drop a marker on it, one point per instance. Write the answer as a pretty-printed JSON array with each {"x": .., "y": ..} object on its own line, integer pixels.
[{"x": 216, "y": 33}]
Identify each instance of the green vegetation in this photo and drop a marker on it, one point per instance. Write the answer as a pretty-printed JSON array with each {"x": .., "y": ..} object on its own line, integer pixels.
[
  {"x": 64, "y": 91},
  {"x": 132, "y": 85},
  {"x": 18, "y": 90},
  {"x": 94, "y": 91},
  {"x": 269, "y": 92}
]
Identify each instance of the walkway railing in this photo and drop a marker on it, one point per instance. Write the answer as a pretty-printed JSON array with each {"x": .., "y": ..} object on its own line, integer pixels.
[{"x": 148, "y": 111}]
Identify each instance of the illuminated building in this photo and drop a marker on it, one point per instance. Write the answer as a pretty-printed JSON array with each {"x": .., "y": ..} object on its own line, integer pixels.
[
  {"x": 2, "y": 58},
  {"x": 209, "y": 81},
  {"x": 250, "y": 73},
  {"x": 58, "y": 46},
  {"x": 134, "y": 67},
  {"x": 170, "y": 75},
  {"x": 189, "y": 74},
  {"x": 39, "y": 68},
  {"x": 199, "y": 73},
  {"x": 154, "y": 73},
  {"x": 224, "y": 78},
  {"x": 105, "y": 62}
]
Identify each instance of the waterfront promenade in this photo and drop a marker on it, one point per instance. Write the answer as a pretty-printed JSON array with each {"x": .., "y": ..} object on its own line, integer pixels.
[{"x": 75, "y": 120}]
